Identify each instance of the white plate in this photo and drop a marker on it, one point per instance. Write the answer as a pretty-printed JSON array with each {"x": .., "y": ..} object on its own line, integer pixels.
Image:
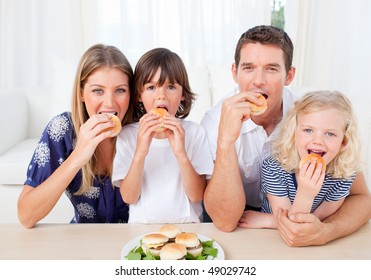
[{"x": 135, "y": 242}]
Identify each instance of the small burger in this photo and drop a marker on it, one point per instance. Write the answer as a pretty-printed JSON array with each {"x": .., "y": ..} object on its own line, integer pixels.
[
  {"x": 191, "y": 242},
  {"x": 170, "y": 231},
  {"x": 173, "y": 251},
  {"x": 159, "y": 112},
  {"x": 153, "y": 242}
]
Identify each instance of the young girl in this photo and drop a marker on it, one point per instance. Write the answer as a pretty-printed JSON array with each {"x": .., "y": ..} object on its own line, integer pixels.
[
  {"x": 162, "y": 163},
  {"x": 73, "y": 155},
  {"x": 320, "y": 123}
]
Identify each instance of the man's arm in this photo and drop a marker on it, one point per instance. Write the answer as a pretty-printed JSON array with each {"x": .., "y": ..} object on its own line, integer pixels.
[
  {"x": 307, "y": 230},
  {"x": 224, "y": 197}
]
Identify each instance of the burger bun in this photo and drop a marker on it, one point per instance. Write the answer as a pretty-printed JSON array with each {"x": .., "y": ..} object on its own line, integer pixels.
[
  {"x": 153, "y": 242},
  {"x": 170, "y": 231},
  {"x": 117, "y": 128},
  {"x": 191, "y": 242},
  {"x": 313, "y": 158},
  {"x": 173, "y": 251},
  {"x": 258, "y": 110}
]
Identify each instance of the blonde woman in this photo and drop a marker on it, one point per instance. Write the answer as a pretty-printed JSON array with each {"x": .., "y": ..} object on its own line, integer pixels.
[
  {"x": 320, "y": 123},
  {"x": 73, "y": 155}
]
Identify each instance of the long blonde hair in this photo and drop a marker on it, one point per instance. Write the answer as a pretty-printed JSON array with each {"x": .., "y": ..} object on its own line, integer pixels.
[
  {"x": 95, "y": 57},
  {"x": 347, "y": 162}
]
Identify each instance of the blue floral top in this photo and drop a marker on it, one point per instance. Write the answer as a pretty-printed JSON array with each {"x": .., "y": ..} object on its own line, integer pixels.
[{"x": 101, "y": 203}]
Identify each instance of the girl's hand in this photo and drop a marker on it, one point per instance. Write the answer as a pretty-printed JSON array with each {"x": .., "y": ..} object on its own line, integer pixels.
[
  {"x": 310, "y": 179},
  {"x": 90, "y": 136},
  {"x": 175, "y": 133},
  {"x": 147, "y": 129}
]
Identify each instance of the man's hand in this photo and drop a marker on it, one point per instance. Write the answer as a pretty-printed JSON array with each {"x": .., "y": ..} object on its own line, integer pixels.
[
  {"x": 235, "y": 110},
  {"x": 301, "y": 229}
]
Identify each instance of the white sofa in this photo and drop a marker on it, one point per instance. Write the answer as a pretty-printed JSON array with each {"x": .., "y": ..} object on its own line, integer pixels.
[{"x": 27, "y": 112}]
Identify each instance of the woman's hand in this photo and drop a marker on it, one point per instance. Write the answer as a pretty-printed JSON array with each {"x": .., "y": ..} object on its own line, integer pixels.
[{"x": 90, "y": 136}]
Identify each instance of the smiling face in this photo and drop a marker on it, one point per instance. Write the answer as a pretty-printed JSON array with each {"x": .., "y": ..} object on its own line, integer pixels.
[
  {"x": 168, "y": 96},
  {"x": 262, "y": 69},
  {"x": 107, "y": 91},
  {"x": 320, "y": 132}
]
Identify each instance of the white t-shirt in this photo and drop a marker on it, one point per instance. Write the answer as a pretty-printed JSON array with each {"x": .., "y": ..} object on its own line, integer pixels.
[
  {"x": 252, "y": 146},
  {"x": 163, "y": 198}
]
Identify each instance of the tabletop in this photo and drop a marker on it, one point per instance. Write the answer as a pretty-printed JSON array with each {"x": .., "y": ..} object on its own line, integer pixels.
[{"x": 105, "y": 242}]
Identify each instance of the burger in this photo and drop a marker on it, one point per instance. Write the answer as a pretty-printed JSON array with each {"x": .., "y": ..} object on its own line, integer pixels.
[
  {"x": 170, "y": 231},
  {"x": 153, "y": 242},
  {"x": 191, "y": 242},
  {"x": 159, "y": 112},
  {"x": 173, "y": 251},
  {"x": 117, "y": 128},
  {"x": 313, "y": 158}
]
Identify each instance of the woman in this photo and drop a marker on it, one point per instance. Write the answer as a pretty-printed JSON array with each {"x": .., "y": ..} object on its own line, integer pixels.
[{"x": 76, "y": 150}]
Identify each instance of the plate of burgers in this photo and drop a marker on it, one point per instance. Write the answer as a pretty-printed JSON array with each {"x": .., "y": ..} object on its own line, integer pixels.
[{"x": 171, "y": 243}]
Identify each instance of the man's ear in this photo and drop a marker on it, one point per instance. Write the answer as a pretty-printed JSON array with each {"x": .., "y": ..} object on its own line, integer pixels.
[
  {"x": 290, "y": 76},
  {"x": 234, "y": 72}
]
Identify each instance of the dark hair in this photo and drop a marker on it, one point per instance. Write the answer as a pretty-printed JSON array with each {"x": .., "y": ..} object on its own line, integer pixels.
[
  {"x": 266, "y": 35},
  {"x": 172, "y": 68}
]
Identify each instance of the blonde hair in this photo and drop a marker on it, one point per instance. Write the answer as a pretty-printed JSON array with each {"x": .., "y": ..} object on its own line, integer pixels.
[
  {"x": 347, "y": 161},
  {"x": 95, "y": 57}
]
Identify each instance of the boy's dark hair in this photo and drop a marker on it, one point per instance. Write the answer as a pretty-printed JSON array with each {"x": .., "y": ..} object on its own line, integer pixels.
[
  {"x": 266, "y": 35},
  {"x": 172, "y": 68}
]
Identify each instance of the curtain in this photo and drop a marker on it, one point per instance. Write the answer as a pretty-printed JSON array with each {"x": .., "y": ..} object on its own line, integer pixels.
[
  {"x": 36, "y": 33},
  {"x": 332, "y": 42}
]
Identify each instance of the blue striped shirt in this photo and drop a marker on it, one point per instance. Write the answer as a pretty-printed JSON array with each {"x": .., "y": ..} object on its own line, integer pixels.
[{"x": 278, "y": 182}]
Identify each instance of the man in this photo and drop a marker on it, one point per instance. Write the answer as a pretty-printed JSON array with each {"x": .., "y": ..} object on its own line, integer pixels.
[{"x": 239, "y": 143}]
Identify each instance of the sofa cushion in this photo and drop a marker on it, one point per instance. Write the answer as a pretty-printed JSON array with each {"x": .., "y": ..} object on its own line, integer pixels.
[
  {"x": 14, "y": 162},
  {"x": 13, "y": 125}
]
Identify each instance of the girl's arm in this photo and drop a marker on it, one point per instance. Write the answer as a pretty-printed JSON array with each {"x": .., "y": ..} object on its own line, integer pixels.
[
  {"x": 194, "y": 183},
  {"x": 310, "y": 180},
  {"x": 35, "y": 203},
  {"x": 276, "y": 202}
]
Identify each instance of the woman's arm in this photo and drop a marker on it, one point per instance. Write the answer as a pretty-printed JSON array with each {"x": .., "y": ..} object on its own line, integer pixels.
[{"x": 35, "y": 203}]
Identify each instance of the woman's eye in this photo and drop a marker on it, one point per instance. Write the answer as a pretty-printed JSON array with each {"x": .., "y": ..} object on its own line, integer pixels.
[
  {"x": 98, "y": 91},
  {"x": 120, "y": 90}
]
